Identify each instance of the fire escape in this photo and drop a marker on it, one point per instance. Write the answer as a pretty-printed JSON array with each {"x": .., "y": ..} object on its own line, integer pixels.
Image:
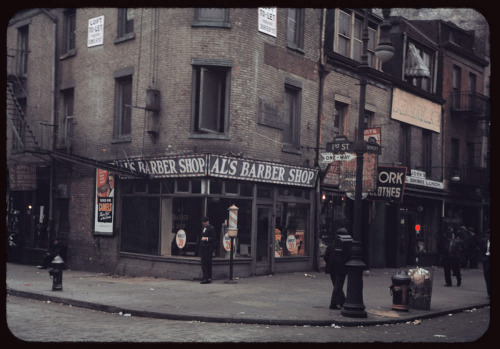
[{"x": 39, "y": 136}]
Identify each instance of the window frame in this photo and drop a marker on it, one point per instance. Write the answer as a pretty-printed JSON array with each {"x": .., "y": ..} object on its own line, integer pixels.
[
  {"x": 219, "y": 71},
  {"x": 295, "y": 29},
  {"x": 427, "y": 152},
  {"x": 201, "y": 21},
  {"x": 23, "y": 49},
  {"x": 67, "y": 114},
  {"x": 122, "y": 32},
  {"x": 121, "y": 109},
  {"x": 69, "y": 37},
  {"x": 339, "y": 116},
  {"x": 292, "y": 89}
]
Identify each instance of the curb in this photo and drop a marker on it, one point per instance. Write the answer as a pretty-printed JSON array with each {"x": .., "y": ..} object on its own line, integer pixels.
[{"x": 228, "y": 319}]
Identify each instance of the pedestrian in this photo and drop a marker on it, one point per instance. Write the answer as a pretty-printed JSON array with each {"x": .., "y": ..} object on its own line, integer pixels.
[
  {"x": 57, "y": 248},
  {"x": 207, "y": 243},
  {"x": 473, "y": 247},
  {"x": 452, "y": 255},
  {"x": 485, "y": 253},
  {"x": 335, "y": 266}
]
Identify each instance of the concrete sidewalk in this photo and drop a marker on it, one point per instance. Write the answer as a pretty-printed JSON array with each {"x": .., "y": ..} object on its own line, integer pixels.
[{"x": 281, "y": 299}]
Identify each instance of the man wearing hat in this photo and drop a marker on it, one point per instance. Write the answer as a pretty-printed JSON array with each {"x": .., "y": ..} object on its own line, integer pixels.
[{"x": 207, "y": 242}]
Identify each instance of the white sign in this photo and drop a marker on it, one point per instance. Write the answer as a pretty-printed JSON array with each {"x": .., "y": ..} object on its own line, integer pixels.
[
  {"x": 416, "y": 111},
  {"x": 96, "y": 31},
  {"x": 345, "y": 157},
  {"x": 180, "y": 238},
  {"x": 326, "y": 157},
  {"x": 291, "y": 242},
  {"x": 424, "y": 182},
  {"x": 267, "y": 20}
]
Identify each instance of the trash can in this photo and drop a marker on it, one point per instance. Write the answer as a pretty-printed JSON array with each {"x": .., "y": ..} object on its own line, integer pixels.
[
  {"x": 400, "y": 289},
  {"x": 420, "y": 287}
]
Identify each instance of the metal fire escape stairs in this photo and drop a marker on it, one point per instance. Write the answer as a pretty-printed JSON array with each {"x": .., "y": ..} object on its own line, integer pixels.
[{"x": 40, "y": 140}]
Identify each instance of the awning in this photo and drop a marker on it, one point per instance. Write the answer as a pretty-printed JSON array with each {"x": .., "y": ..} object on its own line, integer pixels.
[{"x": 415, "y": 66}]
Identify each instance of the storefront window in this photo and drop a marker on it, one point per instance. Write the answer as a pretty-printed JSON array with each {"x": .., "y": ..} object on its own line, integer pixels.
[
  {"x": 140, "y": 224},
  {"x": 291, "y": 229},
  {"x": 186, "y": 215}
]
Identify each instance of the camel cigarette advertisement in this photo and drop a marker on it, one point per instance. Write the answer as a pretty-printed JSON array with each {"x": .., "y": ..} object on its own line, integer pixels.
[{"x": 104, "y": 208}]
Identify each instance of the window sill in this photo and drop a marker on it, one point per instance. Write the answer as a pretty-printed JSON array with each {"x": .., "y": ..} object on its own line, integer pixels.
[
  {"x": 225, "y": 25},
  {"x": 291, "y": 149},
  {"x": 295, "y": 48},
  {"x": 209, "y": 136},
  {"x": 124, "y": 139},
  {"x": 123, "y": 38},
  {"x": 68, "y": 55}
]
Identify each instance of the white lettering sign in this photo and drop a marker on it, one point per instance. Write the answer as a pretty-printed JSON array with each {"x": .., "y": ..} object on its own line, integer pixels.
[
  {"x": 416, "y": 111},
  {"x": 267, "y": 20},
  {"x": 96, "y": 31}
]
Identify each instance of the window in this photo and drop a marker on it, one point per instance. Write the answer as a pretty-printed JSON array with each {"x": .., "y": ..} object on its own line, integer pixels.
[
  {"x": 211, "y": 100},
  {"x": 64, "y": 133},
  {"x": 291, "y": 119},
  {"x": 125, "y": 22},
  {"x": 368, "y": 119},
  {"x": 23, "y": 50},
  {"x": 455, "y": 153},
  {"x": 291, "y": 229},
  {"x": 418, "y": 67},
  {"x": 211, "y": 17},
  {"x": 123, "y": 109},
  {"x": 472, "y": 89},
  {"x": 295, "y": 28},
  {"x": 427, "y": 152},
  {"x": 69, "y": 31},
  {"x": 456, "y": 83},
  {"x": 350, "y": 38},
  {"x": 140, "y": 225},
  {"x": 405, "y": 145},
  {"x": 340, "y": 113}
]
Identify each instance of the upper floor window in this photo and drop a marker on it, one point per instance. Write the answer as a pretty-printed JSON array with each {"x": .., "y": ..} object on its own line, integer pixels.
[
  {"x": 418, "y": 67},
  {"x": 22, "y": 46},
  {"x": 291, "y": 119},
  {"x": 339, "y": 118},
  {"x": 125, "y": 21},
  {"x": 211, "y": 86},
  {"x": 66, "y": 121},
  {"x": 456, "y": 79},
  {"x": 211, "y": 17},
  {"x": 350, "y": 38},
  {"x": 69, "y": 31},
  {"x": 427, "y": 152},
  {"x": 405, "y": 145},
  {"x": 295, "y": 28},
  {"x": 123, "y": 107}
]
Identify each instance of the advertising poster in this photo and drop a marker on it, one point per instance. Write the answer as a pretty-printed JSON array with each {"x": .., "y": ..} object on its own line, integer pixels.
[{"x": 104, "y": 208}]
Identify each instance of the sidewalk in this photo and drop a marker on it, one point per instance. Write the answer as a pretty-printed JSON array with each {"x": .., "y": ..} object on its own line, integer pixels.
[{"x": 282, "y": 299}]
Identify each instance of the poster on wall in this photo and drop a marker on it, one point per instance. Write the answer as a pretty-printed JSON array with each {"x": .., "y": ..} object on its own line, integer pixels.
[{"x": 104, "y": 208}]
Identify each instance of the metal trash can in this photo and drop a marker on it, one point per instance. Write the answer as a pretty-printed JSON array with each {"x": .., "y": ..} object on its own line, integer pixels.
[
  {"x": 420, "y": 287},
  {"x": 400, "y": 290}
]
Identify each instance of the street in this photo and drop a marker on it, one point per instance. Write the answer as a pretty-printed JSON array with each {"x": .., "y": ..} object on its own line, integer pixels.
[{"x": 31, "y": 320}]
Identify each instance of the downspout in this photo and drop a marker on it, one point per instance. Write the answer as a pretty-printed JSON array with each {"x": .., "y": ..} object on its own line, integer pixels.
[
  {"x": 52, "y": 119},
  {"x": 322, "y": 73}
]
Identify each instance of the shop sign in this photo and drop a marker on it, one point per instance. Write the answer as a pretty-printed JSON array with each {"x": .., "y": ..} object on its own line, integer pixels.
[
  {"x": 419, "y": 178},
  {"x": 22, "y": 177},
  {"x": 180, "y": 238},
  {"x": 332, "y": 175},
  {"x": 227, "y": 242},
  {"x": 267, "y": 20},
  {"x": 417, "y": 111},
  {"x": 103, "y": 221},
  {"x": 348, "y": 174},
  {"x": 96, "y": 31},
  {"x": 291, "y": 242},
  {"x": 168, "y": 167},
  {"x": 390, "y": 184},
  {"x": 226, "y": 167}
]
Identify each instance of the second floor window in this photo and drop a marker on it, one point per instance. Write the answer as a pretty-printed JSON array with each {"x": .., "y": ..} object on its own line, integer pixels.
[
  {"x": 295, "y": 28},
  {"x": 350, "y": 38},
  {"x": 125, "y": 21},
  {"x": 339, "y": 117},
  {"x": 211, "y": 17},
  {"x": 69, "y": 31},
  {"x": 123, "y": 109},
  {"x": 23, "y": 50},
  {"x": 418, "y": 67},
  {"x": 211, "y": 99},
  {"x": 405, "y": 145},
  {"x": 291, "y": 119},
  {"x": 427, "y": 152},
  {"x": 68, "y": 98}
]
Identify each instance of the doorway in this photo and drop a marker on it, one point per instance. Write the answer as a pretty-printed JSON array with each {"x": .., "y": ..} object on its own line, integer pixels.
[{"x": 263, "y": 251}]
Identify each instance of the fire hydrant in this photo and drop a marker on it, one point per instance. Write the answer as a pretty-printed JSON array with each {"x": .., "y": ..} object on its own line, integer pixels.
[
  {"x": 56, "y": 272},
  {"x": 400, "y": 290}
]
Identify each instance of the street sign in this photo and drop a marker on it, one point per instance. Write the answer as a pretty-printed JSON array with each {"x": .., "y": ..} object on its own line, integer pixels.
[
  {"x": 344, "y": 157},
  {"x": 372, "y": 148},
  {"x": 326, "y": 157},
  {"x": 339, "y": 147}
]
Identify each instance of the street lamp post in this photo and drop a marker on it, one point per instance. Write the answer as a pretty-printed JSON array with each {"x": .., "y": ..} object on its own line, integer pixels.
[{"x": 354, "y": 306}]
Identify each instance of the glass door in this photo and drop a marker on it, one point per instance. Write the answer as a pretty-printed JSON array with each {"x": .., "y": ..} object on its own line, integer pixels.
[{"x": 264, "y": 227}]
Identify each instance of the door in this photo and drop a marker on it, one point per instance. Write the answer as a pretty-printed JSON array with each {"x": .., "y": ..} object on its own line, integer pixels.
[{"x": 263, "y": 252}]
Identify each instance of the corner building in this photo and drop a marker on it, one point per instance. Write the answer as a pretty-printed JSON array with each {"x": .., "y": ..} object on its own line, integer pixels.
[{"x": 162, "y": 116}]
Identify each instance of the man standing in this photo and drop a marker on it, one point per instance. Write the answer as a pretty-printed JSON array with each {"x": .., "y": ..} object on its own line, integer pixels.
[
  {"x": 453, "y": 250},
  {"x": 208, "y": 239},
  {"x": 335, "y": 266}
]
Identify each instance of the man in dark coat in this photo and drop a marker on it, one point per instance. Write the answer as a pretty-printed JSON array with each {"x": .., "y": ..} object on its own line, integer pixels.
[
  {"x": 335, "y": 266},
  {"x": 207, "y": 243},
  {"x": 55, "y": 249},
  {"x": 452, "y": 254}
]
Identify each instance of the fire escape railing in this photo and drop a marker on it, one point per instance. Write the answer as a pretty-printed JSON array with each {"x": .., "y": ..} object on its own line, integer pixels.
[{"x": 472, "y": 104}]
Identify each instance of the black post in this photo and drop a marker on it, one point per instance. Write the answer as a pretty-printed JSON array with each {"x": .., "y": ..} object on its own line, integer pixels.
[{"x": 354, "y": 306}]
